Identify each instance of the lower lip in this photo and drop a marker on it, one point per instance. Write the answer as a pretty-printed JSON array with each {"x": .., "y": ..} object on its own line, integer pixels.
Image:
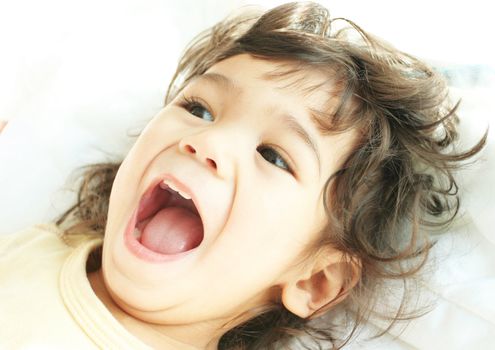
[{"x": 143, "y": 253}]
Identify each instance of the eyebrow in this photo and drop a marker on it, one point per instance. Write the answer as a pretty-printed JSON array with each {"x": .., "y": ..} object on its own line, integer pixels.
[{"x": 289, "y": 121}]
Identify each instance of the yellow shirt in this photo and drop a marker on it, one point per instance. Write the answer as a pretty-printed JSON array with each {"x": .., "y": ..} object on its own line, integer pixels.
[{"x": 46, "y": 300}]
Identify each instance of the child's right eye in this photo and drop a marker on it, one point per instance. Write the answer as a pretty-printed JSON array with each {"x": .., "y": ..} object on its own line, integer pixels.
[{"x": 195, "y": 107}]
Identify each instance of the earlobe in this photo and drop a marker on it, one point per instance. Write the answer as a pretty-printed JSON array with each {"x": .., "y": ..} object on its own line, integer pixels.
[{"x": 313, "y": 293}]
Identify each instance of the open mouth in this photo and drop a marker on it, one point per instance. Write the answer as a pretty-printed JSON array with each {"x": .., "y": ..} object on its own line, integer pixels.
[{"x": 167, "y": 223}]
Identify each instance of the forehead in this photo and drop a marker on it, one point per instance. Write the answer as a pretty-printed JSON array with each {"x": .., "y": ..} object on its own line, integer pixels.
[{"x": 294, "y": 79}]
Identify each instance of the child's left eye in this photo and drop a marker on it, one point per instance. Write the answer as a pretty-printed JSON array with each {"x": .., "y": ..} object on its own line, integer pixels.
[
  {"x": 274, "y": 157},
  {"x": 195, "y": 107}
]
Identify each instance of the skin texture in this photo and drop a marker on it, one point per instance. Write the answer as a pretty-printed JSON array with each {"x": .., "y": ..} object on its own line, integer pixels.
[{"x": 258, "y": 217}]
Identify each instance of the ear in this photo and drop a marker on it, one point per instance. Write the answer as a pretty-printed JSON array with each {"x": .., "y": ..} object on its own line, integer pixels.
[{"x": 323, "y": 283}]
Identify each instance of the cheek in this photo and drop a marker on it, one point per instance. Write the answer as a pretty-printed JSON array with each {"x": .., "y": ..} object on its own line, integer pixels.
[
  {"x": 157, "y": 135},
  {"x": 160, "y": 128},
  {"x": 262, "y": 239},
  {"x": 272, "y": 223}
]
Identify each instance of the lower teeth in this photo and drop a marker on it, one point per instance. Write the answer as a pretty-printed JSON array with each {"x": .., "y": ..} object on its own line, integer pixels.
[{"x": 136, "y": 233}]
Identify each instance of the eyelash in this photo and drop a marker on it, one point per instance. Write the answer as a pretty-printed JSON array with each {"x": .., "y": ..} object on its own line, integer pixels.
[{"x": 188, "y": 103}]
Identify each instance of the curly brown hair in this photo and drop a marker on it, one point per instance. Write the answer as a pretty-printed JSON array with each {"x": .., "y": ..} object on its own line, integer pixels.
[{"x": 395, "y": 186}]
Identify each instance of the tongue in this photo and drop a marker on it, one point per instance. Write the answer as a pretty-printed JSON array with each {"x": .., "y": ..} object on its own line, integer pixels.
[{"x": 172, "y": 230}]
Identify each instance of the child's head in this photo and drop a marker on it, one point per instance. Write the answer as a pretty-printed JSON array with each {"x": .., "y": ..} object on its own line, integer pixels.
[{"x": 312, "y": 156}]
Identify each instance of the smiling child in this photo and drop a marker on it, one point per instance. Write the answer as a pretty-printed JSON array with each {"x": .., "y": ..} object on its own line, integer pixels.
[{"x": 291, "y": 173}]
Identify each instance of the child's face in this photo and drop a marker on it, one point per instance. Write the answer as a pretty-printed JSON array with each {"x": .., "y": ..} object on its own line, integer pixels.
[{"x": 257, "y": 216}]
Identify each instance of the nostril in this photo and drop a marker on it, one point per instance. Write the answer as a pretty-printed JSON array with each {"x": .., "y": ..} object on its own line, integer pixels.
[
  {"x": 211, "y": 163},
  {"x": 190, "y": 149}
]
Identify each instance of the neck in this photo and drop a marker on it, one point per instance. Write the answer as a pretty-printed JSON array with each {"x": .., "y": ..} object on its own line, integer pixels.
[{"x": 183, "y": 337}]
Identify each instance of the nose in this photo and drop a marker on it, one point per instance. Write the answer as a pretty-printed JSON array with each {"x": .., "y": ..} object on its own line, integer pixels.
[
  {"x": 210, "y": 162},
  {"x": 210, "y": 150}
]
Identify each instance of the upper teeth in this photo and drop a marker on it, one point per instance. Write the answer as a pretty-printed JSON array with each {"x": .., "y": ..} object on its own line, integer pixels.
[{"x": 166, "y": 183}]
